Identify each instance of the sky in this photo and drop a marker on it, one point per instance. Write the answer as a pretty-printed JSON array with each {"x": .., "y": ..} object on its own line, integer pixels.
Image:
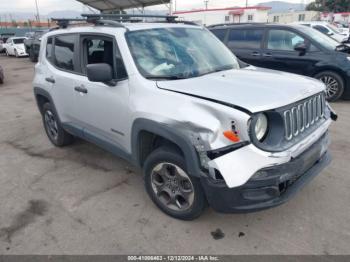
[{"x": 46, "y": 6}]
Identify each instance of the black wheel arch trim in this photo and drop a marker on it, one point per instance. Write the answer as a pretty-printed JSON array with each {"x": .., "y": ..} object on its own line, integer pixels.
[
  {"x": 42, "y": 92},
  {"x": 167, "y": 132}
]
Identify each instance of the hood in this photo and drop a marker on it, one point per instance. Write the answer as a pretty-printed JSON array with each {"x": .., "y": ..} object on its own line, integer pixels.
[{"x": 254, "y": 89}]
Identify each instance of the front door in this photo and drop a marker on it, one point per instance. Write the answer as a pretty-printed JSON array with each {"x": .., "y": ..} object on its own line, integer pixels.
[
  {"x": 104, "y": 109},
  {"x": 280, "y": 54}
]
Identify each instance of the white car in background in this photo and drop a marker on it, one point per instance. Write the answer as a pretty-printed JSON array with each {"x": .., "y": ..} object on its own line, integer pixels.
[
  {"x": 15, "y": 46},
  {"x": 328, "y": 29}
]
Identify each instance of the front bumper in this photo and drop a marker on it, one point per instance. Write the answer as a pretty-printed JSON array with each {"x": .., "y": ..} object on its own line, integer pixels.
[{"x": 273, "y": 186}]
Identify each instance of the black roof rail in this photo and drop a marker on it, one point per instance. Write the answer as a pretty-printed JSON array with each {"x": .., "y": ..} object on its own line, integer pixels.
[
  {"x": 236, "y": 24},
  {"x": 65, "y": 22},
  {"x": 115, "y": 20},
  {"x": 122, "y": 17}
]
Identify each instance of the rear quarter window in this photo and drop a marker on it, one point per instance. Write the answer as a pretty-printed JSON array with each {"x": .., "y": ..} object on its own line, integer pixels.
[
  {"x": 250, "y": 38},
  {"x": 49, "y": 45}
]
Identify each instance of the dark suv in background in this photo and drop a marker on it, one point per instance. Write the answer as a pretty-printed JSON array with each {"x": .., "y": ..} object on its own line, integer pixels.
[
  {"x": 32, "y": 44},
  {"x": 291, "y": 48}
]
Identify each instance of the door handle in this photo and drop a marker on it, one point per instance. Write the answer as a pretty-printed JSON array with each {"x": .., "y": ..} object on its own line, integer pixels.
[
  {"x": 255, "y": 54},
  {"x": 50, "y": 80},
  {"x": 267, "y": 55},
  {"x": 81, "y": 89}
]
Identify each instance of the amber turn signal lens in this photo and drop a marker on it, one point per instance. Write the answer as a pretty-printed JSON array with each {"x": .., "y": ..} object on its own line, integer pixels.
[{"x": 231, "y": 136}]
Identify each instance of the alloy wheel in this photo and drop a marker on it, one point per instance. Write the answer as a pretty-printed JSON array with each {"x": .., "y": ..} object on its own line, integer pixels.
[
  {"x": 332, "y": 85},
  {"x": 51, "y": 124},
  {"x": 172, "y": 187}
]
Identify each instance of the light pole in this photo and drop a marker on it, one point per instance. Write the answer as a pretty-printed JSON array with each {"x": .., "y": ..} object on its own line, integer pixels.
[
  {"x": 37, "y": 11},
  {"x": 246, "y": 3},
  {"x": 206, "y": 4}
]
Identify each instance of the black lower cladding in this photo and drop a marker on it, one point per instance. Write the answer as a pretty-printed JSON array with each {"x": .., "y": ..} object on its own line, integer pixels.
[{"x": 271, "y": 186}]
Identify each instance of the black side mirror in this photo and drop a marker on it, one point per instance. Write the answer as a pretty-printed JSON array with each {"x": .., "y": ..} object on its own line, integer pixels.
[
  {"x": 100, "y": 73},
  {"x": 301, "y": 48}
]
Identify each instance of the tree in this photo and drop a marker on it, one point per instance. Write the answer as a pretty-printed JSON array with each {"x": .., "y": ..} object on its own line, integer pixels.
[{"x": 329, "y": 6}]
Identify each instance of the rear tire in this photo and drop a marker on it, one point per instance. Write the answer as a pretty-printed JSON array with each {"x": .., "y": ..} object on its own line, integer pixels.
[
  {"x": 334, "y": 83},
  {"x": 170, "y": 187},
  {"x": 54, "y": 130}
]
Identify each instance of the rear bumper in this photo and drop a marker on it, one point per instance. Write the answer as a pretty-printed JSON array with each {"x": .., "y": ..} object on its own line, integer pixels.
[{"x": 271, "y": 186}]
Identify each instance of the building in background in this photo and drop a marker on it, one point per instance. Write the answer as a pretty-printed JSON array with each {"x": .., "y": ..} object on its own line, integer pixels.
[
  {"x": 343, "y": 17},
  {"x": 254, "y": 14},
  {"x": 293, "y": 16}
]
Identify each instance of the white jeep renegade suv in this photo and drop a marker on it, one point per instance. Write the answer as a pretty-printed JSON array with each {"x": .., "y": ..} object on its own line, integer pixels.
[{"x": 173, "y": 100}]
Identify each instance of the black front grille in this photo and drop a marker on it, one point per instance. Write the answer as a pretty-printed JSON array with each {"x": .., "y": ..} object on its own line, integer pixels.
[{"x": 302, "y": 116}]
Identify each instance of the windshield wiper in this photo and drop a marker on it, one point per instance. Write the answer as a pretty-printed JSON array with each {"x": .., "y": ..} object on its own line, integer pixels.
[
  {"x": 219, "y": 69},
  {"x": 165, "y": 77}
]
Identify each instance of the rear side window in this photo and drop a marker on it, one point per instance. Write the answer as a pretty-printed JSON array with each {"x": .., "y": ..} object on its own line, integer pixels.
[
  {"x": 220, "y": 33},
  {"x": 49, "y": 49},
  {"x": 64, "y": 52},
  {"x": 246, "y": 38}
]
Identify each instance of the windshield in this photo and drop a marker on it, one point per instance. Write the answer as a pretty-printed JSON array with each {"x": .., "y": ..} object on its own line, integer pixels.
[
  {"x": 175, "y": 53},
  {"x": 333, "y": 28},
  {"x": 322, "y": 39},
  {"x": 18, "y": 40}
]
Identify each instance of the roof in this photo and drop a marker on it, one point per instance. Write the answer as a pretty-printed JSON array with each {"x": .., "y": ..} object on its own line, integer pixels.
[
  {"x": 112, "y": 30},
  {"x": 109, "y": 5},
  {"x": 224, "y": 9},
  {"x": 232, "y": 25}
]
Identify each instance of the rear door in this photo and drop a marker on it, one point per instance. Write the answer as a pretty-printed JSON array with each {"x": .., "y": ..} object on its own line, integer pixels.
[
  {"x": 61, "y": 74},
  {"x": 246, "y": 44},
  {"x": 279, "y": 52}
]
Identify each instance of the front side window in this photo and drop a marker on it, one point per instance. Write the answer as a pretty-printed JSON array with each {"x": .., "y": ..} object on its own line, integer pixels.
[
  {"x": 283, "y": 40},
  {"x": 220, "y": 33},
  {"x": 246, "y": 38},
  {"x": 173, "y": 53},
  {"x": 100, "y": 50},
  {"x": 322, "y": 29}
]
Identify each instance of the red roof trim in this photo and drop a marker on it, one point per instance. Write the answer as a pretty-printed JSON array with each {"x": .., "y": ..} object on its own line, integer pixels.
[{"x": 223, "y": 9}]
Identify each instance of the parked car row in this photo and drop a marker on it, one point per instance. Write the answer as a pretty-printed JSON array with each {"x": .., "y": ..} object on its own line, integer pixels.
[{"x": 291, "y": 48}]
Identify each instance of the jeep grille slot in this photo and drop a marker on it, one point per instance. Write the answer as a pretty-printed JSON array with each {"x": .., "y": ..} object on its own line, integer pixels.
[{"x": 302, "y": 116}]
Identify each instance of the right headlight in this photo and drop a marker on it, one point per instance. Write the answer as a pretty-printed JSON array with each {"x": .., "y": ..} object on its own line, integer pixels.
[{"x": 261, "y": 126}]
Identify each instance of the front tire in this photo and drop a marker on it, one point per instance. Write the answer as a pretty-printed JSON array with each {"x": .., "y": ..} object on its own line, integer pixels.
[
  {"x": 57, "y": 135},
  {"x": 168, "y": 184},
  {"x": 16, "y": 53},
  {"x": 334, "y": 83}
]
